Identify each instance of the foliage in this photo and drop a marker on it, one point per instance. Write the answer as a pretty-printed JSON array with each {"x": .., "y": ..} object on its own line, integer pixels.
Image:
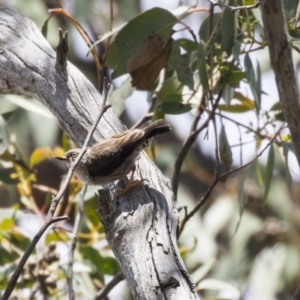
[{"x": 250, "y": 222}]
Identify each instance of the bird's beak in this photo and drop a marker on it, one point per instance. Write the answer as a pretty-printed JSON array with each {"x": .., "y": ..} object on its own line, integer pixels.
[{"x": 63, "y": 158}]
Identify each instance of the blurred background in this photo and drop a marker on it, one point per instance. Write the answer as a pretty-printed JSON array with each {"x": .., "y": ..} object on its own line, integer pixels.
[{"x": 236, "y": 247}]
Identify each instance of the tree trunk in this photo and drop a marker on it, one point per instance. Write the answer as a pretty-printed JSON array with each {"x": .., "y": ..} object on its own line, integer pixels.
[
  {"x": 141, "y": 226},
  {"x": 280, "y": 50}
]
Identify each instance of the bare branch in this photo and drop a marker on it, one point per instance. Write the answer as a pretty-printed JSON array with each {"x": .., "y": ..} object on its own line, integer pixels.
[
  {"x": 15, "y": 276},
  {"x": 194, "y": 132},
  {"x": 73, "y": 242},
  {"x": 105, "y": 291},
  {"x": 287, "y": 81},
  {"x": 234, "y": 8},
  {"x": 203, "y": 200},
  {"x": 50, "y": 220}
]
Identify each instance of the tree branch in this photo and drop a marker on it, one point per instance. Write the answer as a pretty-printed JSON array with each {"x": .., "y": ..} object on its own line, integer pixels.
[
  {"x": 204, "y": 198},
  {"x": 280, "y": 50},
  {"x": 27, "y": 67}
]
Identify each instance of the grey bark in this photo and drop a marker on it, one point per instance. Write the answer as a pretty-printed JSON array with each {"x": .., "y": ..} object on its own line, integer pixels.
[
  {"x": 282, "y": 63},
  {"x": 141, "y": 226}
]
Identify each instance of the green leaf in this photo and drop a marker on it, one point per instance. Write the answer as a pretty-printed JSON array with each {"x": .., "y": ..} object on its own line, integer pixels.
[
  {"x": 92, "y": 214},
  {"x": 280, "y": 116},
  {"x": 7, "y": 256},
  {"x": 5, "y": 177},
  {"x": 136, "y": 32},
  {"x": 65, "y": 142},
  {"x": 6, "y": 116},
  {"x": 180, "y": 64},
  {"x": 259, "y": 175},
  {"x": 158, "y": 115},
  {"x": 258, "y": 83},
  {"x": 228, "y": 93},
  {"x": 241, "y": 197},
  {"x": 224, "y": 149},
  {"x": 205, "y": 32},
  {"x": 235, "y": 108},
  {"x": 174, "y": 108},
  {"x": 276, "y": 106},
  {"x": 241, "y": 193},
  {"x": 172, "y": 105},
  {"x": 228, "y": 29},
  {"x": 252, "y": 81},
  {"x": 244, "y": 100},
  {"x": 236, "y": 77},
  {"x": 202, "y": 66},
  {"x": 39, "y": 155},
  {"x": 287, "y": 169},
  {"x": 30, "y": 105},
  {"x": 171, "y": 85},
  {"x": 269, "y": 170},
  {"x": 106, "y": 36},
  {"x": 119, "y": 95},
  {"x": 236, "y": 49},
  {"x": 57, "y": 236},
  {"x": 112, "y": 56},
  {"x": 4, "y": 135},
  {"x": 187, "y": 45},
  {"x": 103, "y": 265}
]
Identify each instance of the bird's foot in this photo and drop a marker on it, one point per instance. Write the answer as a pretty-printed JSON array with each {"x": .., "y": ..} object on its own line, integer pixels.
[{"x": 131, "y": 184}]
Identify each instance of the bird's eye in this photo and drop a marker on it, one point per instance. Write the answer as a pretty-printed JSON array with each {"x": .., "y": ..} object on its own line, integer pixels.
[{"x": 74, "y": 154}]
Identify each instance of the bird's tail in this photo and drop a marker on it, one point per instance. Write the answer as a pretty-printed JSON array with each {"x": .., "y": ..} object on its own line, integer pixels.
[{"x": 156, "y": 128}]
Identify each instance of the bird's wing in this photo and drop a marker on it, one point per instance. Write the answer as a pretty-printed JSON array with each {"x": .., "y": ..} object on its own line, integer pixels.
[
  {"x": 106, "y": 156},
  {"x": 103, "y": 158},
  {"x": 128, "y": 139}
]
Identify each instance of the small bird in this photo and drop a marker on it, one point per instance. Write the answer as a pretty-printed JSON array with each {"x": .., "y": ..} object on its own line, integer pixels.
[{"x": 113, "y": 158}]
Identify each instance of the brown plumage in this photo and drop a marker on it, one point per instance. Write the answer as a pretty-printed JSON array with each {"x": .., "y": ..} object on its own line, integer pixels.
[{"x": 113, "y": 158}]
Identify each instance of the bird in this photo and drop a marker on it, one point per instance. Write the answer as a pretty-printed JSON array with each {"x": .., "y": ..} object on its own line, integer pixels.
[{"x": 114, "y": 157}]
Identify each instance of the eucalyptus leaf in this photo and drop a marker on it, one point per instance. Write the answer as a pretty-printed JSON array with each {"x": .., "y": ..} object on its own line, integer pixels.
[
  {"x": 228, "y": 93},
  {"x": 269, "y": 170},
  {"x": 174, "y": 108},
  {"x": 103, "y": 265},
  {"x": 224, "y": 149},
  {"x": 202, "y": 66},
  {"x": 241, "y": 197},
  {"x": 180, "y": 63},
  {"x": 228, "y": 29},
  {"x": 287, "y": 169},
  {"x": 119, "y": 95},
  {"x": 252, "y": 81},
  {"x": 6, "y": 178},
  {"x": 151, "y": 22},
  {"x": 31, "y": 105},
  {"x": 235, "y": 108}
]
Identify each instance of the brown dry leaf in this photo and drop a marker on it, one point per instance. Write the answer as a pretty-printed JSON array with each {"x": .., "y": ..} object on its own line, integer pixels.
[{"x": 146, "y": 63}]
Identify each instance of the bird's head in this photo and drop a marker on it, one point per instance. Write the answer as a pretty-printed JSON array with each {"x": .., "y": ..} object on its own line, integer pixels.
[{"x": 69, "y": 157}]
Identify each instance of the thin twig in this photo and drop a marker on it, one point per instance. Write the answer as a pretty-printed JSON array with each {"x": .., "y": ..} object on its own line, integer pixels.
[
  {"x": 234, "y": 8},
  {"x": 296, "y": 295},
  {"x": 86, "y": 38},
  {"x": 104, "y": 292},
  {"x": 73, "y": 242},
  {"x": 49, "y": 219},
  {"x": 111, "y": 19},
  {"x": 190, "y": 141},
  {"x": 143, "y": 120},
  {"x": 14, "y": 278},
  {"x": 216, "y": 148},
  {"x": 202, "y": 201}
]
